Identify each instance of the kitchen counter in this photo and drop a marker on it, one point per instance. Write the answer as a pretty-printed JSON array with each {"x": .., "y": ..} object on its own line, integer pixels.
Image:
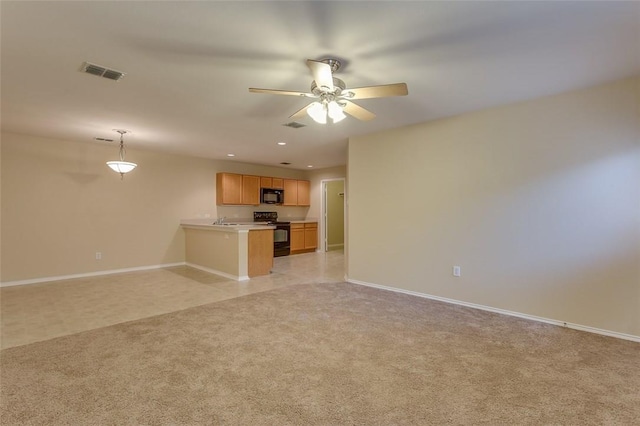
[
  {"x": 237, "y": 251},
  {"x": 225, "y": 227}
]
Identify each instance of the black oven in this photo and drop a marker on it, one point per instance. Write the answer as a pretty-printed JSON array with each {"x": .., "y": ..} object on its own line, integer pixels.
[
  {"x": 282, "y": 239},
  {"x": 281, "y": 235}
]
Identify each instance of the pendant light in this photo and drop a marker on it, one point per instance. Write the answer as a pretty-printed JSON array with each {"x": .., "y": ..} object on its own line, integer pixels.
[{"x": 121, "y": 166}]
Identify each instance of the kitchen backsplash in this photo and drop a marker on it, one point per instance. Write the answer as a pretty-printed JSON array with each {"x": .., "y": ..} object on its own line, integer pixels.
[{"x": 245, "y": 213}]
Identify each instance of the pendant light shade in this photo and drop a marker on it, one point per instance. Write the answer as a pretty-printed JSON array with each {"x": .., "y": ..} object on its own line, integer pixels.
[
  {"x": 335, "y": 112},
  {"x": 121, "y": 166},
  {"x": 318, "y": 113}
]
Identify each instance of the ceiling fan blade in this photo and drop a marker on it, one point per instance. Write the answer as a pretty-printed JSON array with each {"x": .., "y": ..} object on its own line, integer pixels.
[
  {"x": 281, "y": 92},
  {"x": 397, "y": 89},
  {"x": 321, "y": 74},
  {"x": 357, "y": 111},
  {"x": 302, "y": 112}
]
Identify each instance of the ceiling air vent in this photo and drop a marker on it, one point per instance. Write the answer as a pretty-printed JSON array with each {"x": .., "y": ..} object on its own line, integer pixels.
[
  {"x": 99, "y": 139},
  {"x": 101, "y": 71},
  {"x": 294, "y": 125}
]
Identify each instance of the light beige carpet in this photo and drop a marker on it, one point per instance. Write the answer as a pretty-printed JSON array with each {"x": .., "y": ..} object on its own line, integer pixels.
[{"x": 325, "y": 354}]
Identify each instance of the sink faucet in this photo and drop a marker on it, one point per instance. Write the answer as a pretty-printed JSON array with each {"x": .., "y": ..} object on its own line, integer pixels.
[{"x": 219, "y": 220}]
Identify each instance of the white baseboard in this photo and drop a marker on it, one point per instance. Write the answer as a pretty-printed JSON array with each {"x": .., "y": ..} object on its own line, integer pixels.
[
  {"x": 88, "y": 274},
  {"x": 503, "y": 311},
  {"x": 216, "y": 272}
]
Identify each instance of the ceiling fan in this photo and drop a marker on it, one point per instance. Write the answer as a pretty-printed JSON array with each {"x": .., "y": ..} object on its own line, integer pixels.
[{"x": 333, "y": 96}]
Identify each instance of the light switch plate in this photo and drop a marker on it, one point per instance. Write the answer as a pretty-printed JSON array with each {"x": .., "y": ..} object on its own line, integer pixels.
[{"x": 456, "y": 271}]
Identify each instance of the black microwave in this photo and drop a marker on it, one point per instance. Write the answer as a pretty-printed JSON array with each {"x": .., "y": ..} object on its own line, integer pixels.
[{"x": 271, "y": 196}]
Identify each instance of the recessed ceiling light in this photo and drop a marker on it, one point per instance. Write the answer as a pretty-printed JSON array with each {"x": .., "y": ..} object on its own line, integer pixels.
[
  {"x": 231, "y": 155},
  {"x": 282, "y": 143},
  {"x": 309, "y": 166}
]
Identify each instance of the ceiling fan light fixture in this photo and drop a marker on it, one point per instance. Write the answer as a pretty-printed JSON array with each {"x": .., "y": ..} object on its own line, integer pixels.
[
  {"x": 318, "y": 113},
  {"x": 335, "y": 112},
  {"x": 333, "y": 97}
]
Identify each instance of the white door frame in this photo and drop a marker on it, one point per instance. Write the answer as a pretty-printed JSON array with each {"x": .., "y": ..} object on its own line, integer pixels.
[{"x": 323, "y": 211}]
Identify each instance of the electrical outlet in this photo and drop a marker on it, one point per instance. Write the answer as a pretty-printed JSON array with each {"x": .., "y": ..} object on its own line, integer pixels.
[
  {"x": 98, "y": 255},
  {"x": 456, "y": 271}
]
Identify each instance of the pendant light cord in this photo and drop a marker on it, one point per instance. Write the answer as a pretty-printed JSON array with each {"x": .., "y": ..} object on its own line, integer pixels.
[{"x": 122, "y": 150}]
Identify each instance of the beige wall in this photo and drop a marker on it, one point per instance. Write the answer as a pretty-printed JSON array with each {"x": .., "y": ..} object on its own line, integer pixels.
[
  {"x": 538, "y": 202},
  {"x": 60, "y": 204},
  {"x": 215, "y": 250}
]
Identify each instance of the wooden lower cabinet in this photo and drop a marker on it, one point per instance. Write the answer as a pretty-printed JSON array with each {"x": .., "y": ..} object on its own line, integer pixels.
[
  {"x": 311, "y": 236},
  {"x": 297, "y": 237},
  {"x": 304, "y": 237},
  {"x": 260, "y": 252}
]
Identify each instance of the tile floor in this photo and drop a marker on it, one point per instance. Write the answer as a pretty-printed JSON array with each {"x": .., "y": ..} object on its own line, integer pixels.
[{"x": 36, "y": 312}]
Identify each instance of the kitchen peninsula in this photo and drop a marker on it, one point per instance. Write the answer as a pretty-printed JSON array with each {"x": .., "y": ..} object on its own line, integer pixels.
[{"x": 236, "y": 251}]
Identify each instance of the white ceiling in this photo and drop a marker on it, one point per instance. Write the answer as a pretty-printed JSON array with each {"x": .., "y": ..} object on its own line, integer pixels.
[{"x": 189, "y": 65}]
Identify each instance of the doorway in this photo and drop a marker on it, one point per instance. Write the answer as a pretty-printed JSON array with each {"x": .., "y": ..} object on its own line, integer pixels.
[{"x": 333, "y": 214}]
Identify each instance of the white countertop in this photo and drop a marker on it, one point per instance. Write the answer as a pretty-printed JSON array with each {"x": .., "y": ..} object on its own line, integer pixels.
[{"x": 225, "y": 227}]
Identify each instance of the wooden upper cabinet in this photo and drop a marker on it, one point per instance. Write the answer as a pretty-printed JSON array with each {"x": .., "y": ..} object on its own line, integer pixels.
[
  {"x": 266, "y": 182},
  {"x": 271, "y": 182},
  {"x": 296, "y": 193},
  {"x": 228, "y": 188},
  {"x": 304, "y": 195},
  {"x": 250, "y": 190},
  {"x": 290, "y": 192},
  {"x": 236, "y": 189}
]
